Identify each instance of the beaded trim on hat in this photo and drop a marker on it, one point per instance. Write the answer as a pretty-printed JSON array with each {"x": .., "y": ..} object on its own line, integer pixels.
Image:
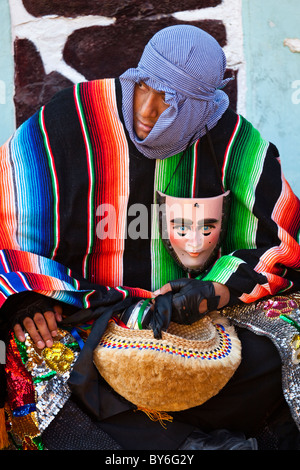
[{"x": 212, "y": 348}]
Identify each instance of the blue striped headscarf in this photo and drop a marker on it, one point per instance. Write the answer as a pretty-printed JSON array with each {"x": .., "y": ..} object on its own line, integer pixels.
[{"x": 188, "y": 65}]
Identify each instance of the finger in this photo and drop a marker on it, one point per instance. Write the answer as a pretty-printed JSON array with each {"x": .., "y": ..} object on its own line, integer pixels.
[
  {"x": 163, "y": 290},
  {"x": 203, "y": 306},
  {"x": 42, "y": 328},
  {"x": 50, "y": 318},
  {"x": 58, "y": 312},
  {"x": 33, "y": 332},
  {"x": 18, "y": 330}
]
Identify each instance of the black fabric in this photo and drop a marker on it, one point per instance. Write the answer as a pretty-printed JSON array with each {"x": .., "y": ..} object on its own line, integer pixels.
[
  {"x": 73, "y": 429},
  {"x": 68, "y": 148},
  {"x": 140, "y": 195},
  {"x": 207, "y": 182},
  {"x": 26, "y": 304},
  {"x": 279, "y": 431},
  {"x": 85, "y": 381},
  {"x": 251, "y": 395},
  {"x": 16, "y": 305},
  {"x": 251, "y": 404},
  {"x": 134, "y": 430},
  {"x": 218, "y": 440}
]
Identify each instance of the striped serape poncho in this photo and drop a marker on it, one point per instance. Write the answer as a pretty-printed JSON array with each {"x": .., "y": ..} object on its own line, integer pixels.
[{"x": 77, "y": 205}]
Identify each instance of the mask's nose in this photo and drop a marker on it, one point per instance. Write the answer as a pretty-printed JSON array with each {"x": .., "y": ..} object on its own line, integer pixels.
[{"x": 195, "y": 239}]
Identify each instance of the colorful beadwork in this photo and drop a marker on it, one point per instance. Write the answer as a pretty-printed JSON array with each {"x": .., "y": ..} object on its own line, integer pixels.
[
  {"x": 193, "y": 362},
  {"x": 219, "y": 352},
  {"x": 277, "y": 306}
]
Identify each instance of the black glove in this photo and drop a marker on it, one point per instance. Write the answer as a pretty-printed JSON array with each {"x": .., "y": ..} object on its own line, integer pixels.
[
  {"x": 162, "y": 313},
  {"x": 187, "y": 296},
  {"x": 26, "y": 304}
]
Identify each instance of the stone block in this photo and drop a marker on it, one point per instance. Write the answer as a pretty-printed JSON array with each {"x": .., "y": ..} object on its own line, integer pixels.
[
  {"x": 113, "y": 8},
  {"x": 33, "y": 87},
  {"x": 107, "y": 51}
]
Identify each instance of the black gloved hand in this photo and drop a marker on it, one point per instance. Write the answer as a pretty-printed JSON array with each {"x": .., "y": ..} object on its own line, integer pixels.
[
  {"x": 29, "y": 311},
  {"x": 186, "y": 299},
  {"x": 25, "y": 304},
  {"x": 162, "y": 313}
]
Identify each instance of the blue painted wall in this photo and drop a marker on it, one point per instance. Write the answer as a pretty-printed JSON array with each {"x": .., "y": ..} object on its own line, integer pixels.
[
  {"x": 7, "y": 119},
  {"x": 273, "y": 77}
]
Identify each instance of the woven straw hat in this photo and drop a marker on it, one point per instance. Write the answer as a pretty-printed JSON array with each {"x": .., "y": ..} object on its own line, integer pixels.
[{"x": 189, "y": 365}]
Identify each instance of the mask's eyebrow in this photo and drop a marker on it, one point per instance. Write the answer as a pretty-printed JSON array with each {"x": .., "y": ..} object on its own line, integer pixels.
[
  {"x": 181, "y": 221},
  {"x": 189, "y": 222},
  {"x": 207, "y": 221}
]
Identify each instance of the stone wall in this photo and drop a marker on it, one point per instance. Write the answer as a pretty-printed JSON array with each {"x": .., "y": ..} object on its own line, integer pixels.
[{"x": 61, "y": 42}]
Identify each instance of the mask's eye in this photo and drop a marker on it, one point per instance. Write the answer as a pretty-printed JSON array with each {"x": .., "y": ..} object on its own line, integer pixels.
[
  {"x": 181, "y": 229},
  {"x": 207, "y": 229}
]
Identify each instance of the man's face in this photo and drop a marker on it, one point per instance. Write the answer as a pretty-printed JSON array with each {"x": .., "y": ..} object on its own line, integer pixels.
[{"x": 148, "y": 105}]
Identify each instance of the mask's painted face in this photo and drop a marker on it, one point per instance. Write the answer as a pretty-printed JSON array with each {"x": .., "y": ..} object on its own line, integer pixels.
[{"x": 192, "y": 229}]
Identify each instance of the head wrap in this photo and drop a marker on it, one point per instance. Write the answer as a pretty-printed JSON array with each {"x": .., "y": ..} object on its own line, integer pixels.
[{"x": 188, "y": 65}]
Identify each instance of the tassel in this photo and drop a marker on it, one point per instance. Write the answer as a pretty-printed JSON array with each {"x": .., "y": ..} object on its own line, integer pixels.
[
  {"x": 4, "y": 441},
  {"x": 160, "y": 416}
]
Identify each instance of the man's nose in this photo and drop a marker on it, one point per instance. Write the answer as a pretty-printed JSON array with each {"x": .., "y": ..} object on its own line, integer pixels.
[{"x": 150, "y": 106}]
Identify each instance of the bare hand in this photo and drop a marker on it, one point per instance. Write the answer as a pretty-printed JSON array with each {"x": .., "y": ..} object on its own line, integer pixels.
[
  {"x": 42, "y": 328},
  {"x": 163, "y": 290}
]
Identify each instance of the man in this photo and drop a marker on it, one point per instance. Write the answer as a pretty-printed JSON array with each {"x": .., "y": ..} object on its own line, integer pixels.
[{"x": 102, "y": 150}]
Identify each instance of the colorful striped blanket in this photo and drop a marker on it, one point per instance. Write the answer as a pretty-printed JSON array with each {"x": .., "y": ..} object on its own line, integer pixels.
[{"x": 70, "y": 172}]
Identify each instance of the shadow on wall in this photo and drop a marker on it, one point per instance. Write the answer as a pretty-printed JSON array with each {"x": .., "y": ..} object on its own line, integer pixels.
[{"x": 100, "y": 51}]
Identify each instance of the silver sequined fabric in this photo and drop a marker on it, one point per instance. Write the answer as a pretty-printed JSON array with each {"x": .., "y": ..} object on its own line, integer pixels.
[
  {"x": 278, "y": 318},
  {"x": 51, "y": 387}
]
